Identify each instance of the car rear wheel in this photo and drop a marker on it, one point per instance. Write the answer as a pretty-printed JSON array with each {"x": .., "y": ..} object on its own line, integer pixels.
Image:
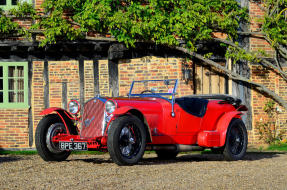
[
  {"x": 48, "y": 127},
  {"x": 236, "y": 140},
  {"x": 126, "y": 140},
  {"x": 166, "y": 154}
]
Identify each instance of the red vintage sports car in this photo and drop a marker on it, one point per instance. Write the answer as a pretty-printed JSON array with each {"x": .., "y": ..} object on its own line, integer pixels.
[{"x": 150, "y": 118}]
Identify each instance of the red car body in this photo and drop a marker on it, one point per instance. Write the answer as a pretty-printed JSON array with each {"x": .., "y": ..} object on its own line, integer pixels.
[{"x": 176, "y": 124}]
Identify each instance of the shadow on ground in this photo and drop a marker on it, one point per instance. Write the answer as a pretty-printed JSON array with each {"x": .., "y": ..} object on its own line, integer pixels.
[
  {"x": 92, "y": 160},
  {"x": 250, "y": 156},
  {"x": 10, "y": 159}
]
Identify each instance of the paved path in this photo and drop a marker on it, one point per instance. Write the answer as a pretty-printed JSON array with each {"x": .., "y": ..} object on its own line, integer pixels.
[{"x": 188, "y": 171}]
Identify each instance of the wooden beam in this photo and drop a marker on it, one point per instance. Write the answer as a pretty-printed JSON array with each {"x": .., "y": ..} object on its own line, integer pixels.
[
  {"x": 96, "y": 76},
  {"x": 82, "y": 82},
  {"x": 30, "y": 114},
  {"x": 113, "y": 78},
  {"x": 46, "y": 84},
  {"x": 64, "y": 95}
]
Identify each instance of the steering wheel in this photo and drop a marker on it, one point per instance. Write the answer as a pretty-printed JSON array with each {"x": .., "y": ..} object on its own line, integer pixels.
[{"x": 145, "y": 91}]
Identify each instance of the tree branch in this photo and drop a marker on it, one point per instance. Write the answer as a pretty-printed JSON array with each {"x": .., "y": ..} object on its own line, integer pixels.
[
  {"x": 235, "y": 76},
  {"x": 263, "y": 61}
]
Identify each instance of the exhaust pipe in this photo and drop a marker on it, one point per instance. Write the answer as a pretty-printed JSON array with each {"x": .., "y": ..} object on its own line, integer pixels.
[{"x": 176, "y": 147}]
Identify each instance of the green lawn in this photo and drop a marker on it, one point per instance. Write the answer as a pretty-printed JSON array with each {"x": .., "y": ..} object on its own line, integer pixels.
[
  {"x": 281, "y": 147},
  {"x": 34, "y": 152}
]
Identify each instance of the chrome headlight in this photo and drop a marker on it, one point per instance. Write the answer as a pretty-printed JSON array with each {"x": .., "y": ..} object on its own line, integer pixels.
[
  {"x": 110, "y": 106},
  {"x": 74, "y": 107}
]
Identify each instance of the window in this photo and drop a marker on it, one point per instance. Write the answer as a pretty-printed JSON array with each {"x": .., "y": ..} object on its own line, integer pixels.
[
  {"x": 8, "y": 4},
  {"x": 13, "y": 85}
]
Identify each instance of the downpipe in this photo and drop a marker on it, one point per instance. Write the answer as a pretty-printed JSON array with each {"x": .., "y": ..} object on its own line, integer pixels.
[{"x": 176, "y": 147}]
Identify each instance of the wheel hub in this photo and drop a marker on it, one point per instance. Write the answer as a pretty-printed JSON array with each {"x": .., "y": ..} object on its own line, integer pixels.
[
  {"x": 128, "y": 143},
  {"x": 54, "y": 130}
]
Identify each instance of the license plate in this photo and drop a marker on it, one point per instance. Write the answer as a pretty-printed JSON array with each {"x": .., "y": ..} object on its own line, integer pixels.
[{"x": 73, "y": 145}]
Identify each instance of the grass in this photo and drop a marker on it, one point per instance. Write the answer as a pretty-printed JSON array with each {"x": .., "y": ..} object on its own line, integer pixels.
[
  {"x": 34, "y": 152},
  {"x": 280, "y": 147},
  {"x": 25, "y": 152},
  {"x": 277, "y": 147}
]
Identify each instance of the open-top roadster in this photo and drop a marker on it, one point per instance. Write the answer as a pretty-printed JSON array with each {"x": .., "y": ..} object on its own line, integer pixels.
[{"x": 150, "y": 118}]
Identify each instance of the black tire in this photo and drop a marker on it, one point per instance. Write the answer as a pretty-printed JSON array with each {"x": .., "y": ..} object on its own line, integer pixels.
[
  {"x": 126, "y": 140},
  {"x": 166, "y": 154},
  {"x": 48, "y": 127},
  {"x": 236, "y": 140}
]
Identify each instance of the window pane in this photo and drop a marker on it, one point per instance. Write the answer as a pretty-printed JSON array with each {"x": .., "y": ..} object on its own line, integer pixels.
[
  {"x": 1, "y": 97},
  {"x": 11, "y": 71},
  {"x": 12, "y": 97},
  {"x": 14, "y": 2},
  {"x": 11, "y": 84},
  {"x": 20, "y": 84},
  {"x": 20, "y": 70},
  {"x": 20, "y": 96},
  {"x": 1, "y": 84},
  {"x": 2, "y": 2},
  {"x": 1, "y": 69}
]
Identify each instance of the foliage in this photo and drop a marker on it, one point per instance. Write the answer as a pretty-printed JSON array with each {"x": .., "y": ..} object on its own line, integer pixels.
[
  {"x": 162, "y": 22},
  {"x": 275, "y": 21},
  {"x": 7, "y": 26},
  {"x": 270, "y": 131},
  {"x": 23, "y": 10}
]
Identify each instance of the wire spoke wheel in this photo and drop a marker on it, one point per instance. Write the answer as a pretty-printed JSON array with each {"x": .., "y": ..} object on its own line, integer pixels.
[
  {"x": 49, "y": 127},
  {"x": 236, "y": 140},
  {"x": 126, "y": 140},
  {"x": 130, "y": 141}
]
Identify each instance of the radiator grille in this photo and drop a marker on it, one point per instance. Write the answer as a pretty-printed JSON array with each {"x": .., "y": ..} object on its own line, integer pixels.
[{"x": 93, "y": 118}]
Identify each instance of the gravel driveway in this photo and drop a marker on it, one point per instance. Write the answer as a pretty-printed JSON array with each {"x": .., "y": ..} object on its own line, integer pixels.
[{"x": 188, "y": 171}]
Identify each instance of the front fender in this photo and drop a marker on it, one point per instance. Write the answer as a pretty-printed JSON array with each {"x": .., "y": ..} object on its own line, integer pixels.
[
  {"x": 122, "y": 110},
  {"x": 223, "y": 123},
  {"x": 131, "y": 110},
  {"x": 65, "y": 117},
  {"x": 51, "y": 110}
]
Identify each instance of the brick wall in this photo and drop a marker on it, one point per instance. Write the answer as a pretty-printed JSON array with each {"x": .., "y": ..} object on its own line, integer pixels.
[
  {"x": 63, "y": 72},
  {"x": 14, "y": 128},
  {"x": 151, "y": 68},
  {"x": 38, "y": 4},
  {"x": 257, "y": 43},
  {"x": 268, "y": 78},
  {"x": 274, "y": 82},
  {"x": 104, "y": 78},
  {"x": 89, "y": 80}
]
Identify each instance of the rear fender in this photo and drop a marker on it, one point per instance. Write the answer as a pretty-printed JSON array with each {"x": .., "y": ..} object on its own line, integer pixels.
[
  {"x": 223, "y": 123},
  {"x": 65, "y": 117},
  {"x": 133, "y": 111},
  {"x": 217, "y": 137}
]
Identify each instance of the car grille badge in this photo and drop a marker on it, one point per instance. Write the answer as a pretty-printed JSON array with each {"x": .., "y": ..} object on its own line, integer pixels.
[{"x": 89, "y": 121}]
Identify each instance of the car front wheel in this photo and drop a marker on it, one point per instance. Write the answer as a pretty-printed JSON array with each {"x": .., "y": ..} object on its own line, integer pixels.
[
  {"x": 48, "y": 127},
  {"x": 126, "y": 140},
  {"x": 236, "y": 140}
]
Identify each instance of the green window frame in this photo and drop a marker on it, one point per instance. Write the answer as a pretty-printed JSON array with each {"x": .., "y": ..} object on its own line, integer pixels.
[
  {"x": 13, "y": 85},
  {"x": 8, "y": 4}
]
